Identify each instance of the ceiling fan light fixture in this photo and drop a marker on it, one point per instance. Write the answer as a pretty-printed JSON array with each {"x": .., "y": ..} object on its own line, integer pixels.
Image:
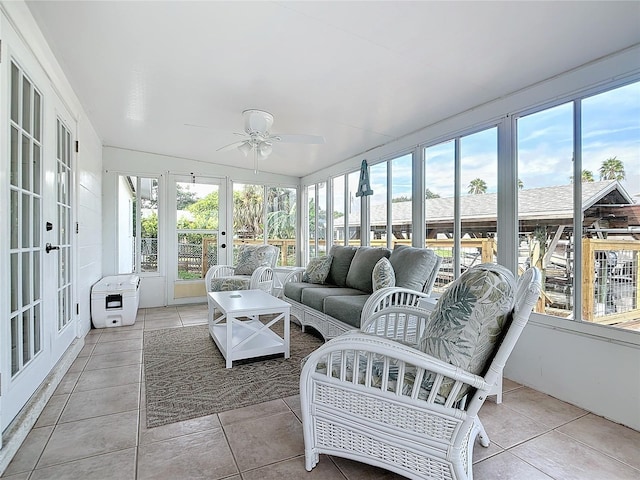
[
  {"x": 245, "y": 148},
  {"x": 265, "y": 149}
]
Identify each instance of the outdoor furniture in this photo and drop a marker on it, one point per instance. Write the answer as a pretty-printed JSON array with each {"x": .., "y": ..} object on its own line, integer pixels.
[
  {"x": 333, "y": 303},
  {"x": 239, "y": 333},
  {"x": 254, "y": 270},
  {"x": 412, "y": 407}
]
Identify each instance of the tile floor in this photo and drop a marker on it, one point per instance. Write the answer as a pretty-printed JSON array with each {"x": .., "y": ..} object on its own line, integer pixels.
[{"x": 94, "y": 428}]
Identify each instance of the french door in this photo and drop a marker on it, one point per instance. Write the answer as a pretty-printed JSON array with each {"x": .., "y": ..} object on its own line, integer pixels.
[
  {"x": 200, "y": 235},
  {"x": 38, "y": 321}
]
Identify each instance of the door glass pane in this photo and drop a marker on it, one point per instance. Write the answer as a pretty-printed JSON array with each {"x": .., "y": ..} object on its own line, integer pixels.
[
  {"x": 545, "y": 203},
  {"x": 337, "y": 187},
  {"x": 15, "y": 293},
  {"x": 36, "y": 275},
  {"x": 37, "y": 329},
  {"x": 14, "y": 214},
  {"x": 148, "y": 201},
  {"x": 26, "y": 336},
  {"x": 197, "y": 228},
  {"x": 36, "y": 168},
  {"x": 15, "y": 341},
  {"x": 26, "y": 279},
  {"x": 14, "y": 173},
  {"x": 26, "y": 163},
  {"x": 26, "y": 105},
  {"x": 378, "y": 205},
  {"x": 26, "y": 221},
  {"x": 15, "y": 93},
  {"x": 439, "y": 173},
  {"x": 281, "y": 222},
  {"x": 401, "y": 211},
  {"x": 37, "y": 101}
]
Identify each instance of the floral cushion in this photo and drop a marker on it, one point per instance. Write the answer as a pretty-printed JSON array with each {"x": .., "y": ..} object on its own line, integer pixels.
[
  {"x": 251, "y": 257},
  {"x": 467, "y": 322},
  {"x": 383, "y": 275},
  {"x": 317, "y": 269},
  {"x": 227, "y": 284}
]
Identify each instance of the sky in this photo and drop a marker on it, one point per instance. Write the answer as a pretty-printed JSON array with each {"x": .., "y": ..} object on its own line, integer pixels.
[{"x": 610, "y": 128}]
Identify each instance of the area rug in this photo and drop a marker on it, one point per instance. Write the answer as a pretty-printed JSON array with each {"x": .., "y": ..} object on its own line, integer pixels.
[{"x": 185, "y": 374}]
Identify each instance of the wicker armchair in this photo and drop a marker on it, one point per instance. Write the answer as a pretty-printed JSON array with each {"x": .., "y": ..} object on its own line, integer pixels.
[
  {"x": 376, "y": 400},
  {"x": 253, "y": 271}
]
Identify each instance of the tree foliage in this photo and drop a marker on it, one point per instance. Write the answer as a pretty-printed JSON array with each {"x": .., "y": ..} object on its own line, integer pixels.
[
  {"x": 612, "y": 169},
  {"x": 477, "y": 186}
]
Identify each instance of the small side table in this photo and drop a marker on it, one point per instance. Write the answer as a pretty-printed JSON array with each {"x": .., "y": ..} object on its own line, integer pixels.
[{"x": 280, "y": 273}]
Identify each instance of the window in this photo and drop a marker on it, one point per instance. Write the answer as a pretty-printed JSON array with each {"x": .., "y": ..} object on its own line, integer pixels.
[
  {"x": 137, "y": 225},
  {"x": 248, "y": 215},
  {"x": 604, "y": 280},
  {"x": 337, "y": 191},
  {"x": 401, "y": 210},
  {"x": 378, "y": 205},
  {"x": 281, "y": 222},
  {"x": 317, "y": 219}
]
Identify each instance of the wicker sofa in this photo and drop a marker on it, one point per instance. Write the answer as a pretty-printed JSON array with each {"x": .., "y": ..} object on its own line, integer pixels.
[{"x": 333, "y": 305}]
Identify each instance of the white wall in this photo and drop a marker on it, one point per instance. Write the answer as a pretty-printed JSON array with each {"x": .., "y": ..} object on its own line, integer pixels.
[
  {"x": 592, "y": 366},
  {"x": 118, "y": 161}
]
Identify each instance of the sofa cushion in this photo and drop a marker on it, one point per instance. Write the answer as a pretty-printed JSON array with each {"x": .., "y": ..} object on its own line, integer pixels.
[
  {"x": 315, "y": 297},
  {"x": 342, "y": 257},
  {"x": 359, "y": 276},
  {"x": 293, "y": 290},
  {"x": 383, "y": 275},
  {"x": 468, "y": 319},
  {"x": 251, "y": 257},
  {"x": 412, "y": 265},
  {"x": 347, "y": 309},
  {"x": 317, "y": 270},
  {"x": 227, "y": 284}
]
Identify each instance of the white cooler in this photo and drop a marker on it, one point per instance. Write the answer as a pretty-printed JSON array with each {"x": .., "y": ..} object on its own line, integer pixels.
[{"x": 114, "y": 301}]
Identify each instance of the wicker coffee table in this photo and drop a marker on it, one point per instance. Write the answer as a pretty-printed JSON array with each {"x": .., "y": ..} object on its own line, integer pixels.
[{"x": 239, "y": 333}]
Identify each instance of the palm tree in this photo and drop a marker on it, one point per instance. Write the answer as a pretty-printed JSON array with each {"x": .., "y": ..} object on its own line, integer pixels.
[
  {"x": 587, "y": 176},
  {"x": 612, "y": 169},
  {"x": 477, "y": 186}
]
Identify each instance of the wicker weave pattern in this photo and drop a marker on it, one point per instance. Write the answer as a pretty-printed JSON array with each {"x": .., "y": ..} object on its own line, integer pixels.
[
  {"x": 386, "y": 412},
  {"x": 333, "y": 436}
]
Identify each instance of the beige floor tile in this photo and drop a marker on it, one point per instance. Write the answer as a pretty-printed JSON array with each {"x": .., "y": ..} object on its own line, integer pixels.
[
  {"x": 187, "y": 322},
  {"x": 109, "y": 377},
  {"x": 118, "y": 336},
  {"x": 111, "y": 360},
  {"x": 361, "y": 471},
  {"x": 52, "y": 410},
  {"x": 481, "y": 453},
  {"x": 177, "y": 429},
  {"x": 202, "y": 455},
  {"x": 86, "y": 350},
  {"x": 68, "y": 383},
  {"x": 562, "y": 457},
  {"x": 294, "y": 468},
  {"x": 103, "y": 401},
  {"x": 543, "y": 408},
  {"x": 78, "y": 364},
  {"x": 293, "y": 403},
  {"x": 162, "y": 324},
  {"x": 102, "y": 348},
  {"x": 262, "y": 441},
  {"x": 508, "y": 385},
  {"x": 253, "y": 411},
  {"x": 27, "y": 455},
  {"x": 119, "y": 465},
  {"x": 17, "y": 476},
  {"x": 507, "y": 427},
  {"x": 616, "y": 440},
  {"x": 505, "y": 466},
  {"x": 94, "y": 436},
  {"x": 92, "y": 337}
]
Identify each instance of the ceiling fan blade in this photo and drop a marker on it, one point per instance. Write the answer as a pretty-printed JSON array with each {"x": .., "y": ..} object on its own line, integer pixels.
[
  {"x": 296, "y": 138},
  {"x": 231, "y": 146}
]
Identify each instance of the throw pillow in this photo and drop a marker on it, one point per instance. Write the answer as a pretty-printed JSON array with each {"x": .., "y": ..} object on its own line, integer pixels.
[
  {"x": 412, "y": 266},
  {"x": 317, "y": 270},
  {"x": 342, "y": 257},
  {"x": 251, "y": 257},
  {"x": 361, "y": 268},
  {"x": 383, "y": 275},
  {"x": 467, "y": 322}
]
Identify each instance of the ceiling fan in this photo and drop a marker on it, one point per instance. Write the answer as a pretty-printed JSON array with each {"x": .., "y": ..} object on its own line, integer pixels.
[{"x": 260, "y": 140}]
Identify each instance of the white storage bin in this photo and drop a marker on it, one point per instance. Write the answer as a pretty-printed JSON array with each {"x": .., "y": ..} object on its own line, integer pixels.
[{"x": 114, "y": 301}]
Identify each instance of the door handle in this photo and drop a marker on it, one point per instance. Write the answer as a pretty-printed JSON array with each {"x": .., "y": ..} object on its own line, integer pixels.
[{"x": 48, "y": 247}]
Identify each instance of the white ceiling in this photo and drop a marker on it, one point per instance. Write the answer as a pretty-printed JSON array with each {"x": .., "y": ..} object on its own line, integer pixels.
[{"x": 174, "y": 77}]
